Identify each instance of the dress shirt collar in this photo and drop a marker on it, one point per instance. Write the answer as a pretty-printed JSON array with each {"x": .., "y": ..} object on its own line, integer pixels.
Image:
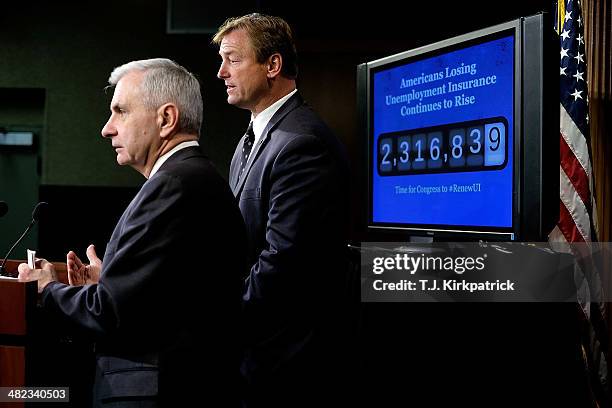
[
  {"x": 162, "y": 159},
  {"x": 261, "y": 121}
]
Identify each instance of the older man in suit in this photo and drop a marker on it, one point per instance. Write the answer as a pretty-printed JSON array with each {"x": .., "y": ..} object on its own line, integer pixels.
[
  {"x": 164, "y": 303},
  {"x": 289, "y": 174}
]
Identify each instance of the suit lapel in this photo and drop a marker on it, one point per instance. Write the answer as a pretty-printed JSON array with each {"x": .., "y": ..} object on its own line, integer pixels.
[
  {"x": 252, "y": 157},
  {"x": 293, "y": 102},
  {"x": 235, "y": 165}
]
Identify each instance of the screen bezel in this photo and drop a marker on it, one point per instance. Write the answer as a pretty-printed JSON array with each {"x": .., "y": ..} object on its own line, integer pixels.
[{"x": 514, "y": 28}]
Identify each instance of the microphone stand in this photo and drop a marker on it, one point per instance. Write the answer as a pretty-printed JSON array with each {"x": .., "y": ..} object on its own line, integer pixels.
[
  {"x": 2, "y": 270},
  {"x": 35, "y": 217}
]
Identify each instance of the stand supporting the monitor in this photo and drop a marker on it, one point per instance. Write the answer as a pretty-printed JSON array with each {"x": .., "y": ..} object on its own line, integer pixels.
[{"x": 420, "y": 239}]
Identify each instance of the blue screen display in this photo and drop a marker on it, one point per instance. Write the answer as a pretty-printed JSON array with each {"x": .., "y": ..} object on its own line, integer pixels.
[{"x": 443, "y": 125}]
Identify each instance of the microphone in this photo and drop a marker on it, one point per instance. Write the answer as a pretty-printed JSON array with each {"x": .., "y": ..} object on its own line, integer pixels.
[
  {"x": 35, "y": 217},
  {"x": 38, "y": 210},
  {"x": 3, "y": 209}
]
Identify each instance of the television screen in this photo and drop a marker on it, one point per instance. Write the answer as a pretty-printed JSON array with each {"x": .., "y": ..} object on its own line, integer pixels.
[
  {"x": 443, "y": 139},
  {"x": 449, "y": 128}
]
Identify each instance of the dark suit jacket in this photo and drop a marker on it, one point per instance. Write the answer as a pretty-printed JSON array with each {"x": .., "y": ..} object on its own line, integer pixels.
[
  {"x": 166, "y": 308},
  {"x": 293, "y": 196}
]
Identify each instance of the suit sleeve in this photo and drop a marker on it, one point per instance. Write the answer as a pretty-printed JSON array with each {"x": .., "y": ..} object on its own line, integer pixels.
[
  {"x": 300, "y": 180},
  {"x": 133, "y": 268}
]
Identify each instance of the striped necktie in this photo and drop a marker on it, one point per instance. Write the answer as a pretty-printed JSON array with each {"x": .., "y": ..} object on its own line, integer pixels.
[{"x": 249, "y": 140}]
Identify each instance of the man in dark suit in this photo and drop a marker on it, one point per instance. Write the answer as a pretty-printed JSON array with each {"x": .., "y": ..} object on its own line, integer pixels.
[
  {"x": 289, "y": 174},
  {"x": 164, "y": 303}
]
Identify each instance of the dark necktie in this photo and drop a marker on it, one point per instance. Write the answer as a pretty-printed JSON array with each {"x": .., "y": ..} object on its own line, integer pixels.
[{"x": 249, "y": 140}]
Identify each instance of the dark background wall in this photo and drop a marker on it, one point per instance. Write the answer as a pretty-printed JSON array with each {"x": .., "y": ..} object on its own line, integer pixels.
[{"x": 64, "y": 54}]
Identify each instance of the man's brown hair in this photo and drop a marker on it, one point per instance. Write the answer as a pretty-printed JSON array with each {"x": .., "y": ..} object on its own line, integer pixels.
[{"x": 268, "y": 35}]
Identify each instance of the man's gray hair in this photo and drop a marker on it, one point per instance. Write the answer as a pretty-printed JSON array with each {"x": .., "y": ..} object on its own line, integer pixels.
[{"x": 165, "y": 81}]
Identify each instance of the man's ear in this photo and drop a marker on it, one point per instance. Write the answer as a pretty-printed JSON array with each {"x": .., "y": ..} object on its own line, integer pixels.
[
  {"x": 274, "y": 65},
  {"x": 167, "y": 120}
]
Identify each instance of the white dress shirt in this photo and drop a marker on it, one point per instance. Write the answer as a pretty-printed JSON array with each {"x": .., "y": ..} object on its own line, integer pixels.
[{"x": 162, "y": 159}]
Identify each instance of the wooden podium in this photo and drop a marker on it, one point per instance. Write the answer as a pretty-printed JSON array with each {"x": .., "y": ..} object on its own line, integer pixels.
[{"x": 17, "y": 307}]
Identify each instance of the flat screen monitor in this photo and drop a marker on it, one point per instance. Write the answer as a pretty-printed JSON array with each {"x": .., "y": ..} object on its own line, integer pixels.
[{"x": 461, "y": 139}]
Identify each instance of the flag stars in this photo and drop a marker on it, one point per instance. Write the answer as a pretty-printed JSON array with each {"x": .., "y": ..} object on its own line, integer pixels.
[
  {"x": 579, "y": 21},
  {"x": 563, "y": 71},
  {"x": 565, "y": 35},
  {"x": 580, "y": 39},
  {"x": 564, "y": 52},
  {"x": 578, "y": 57},
  {"x": 577, "y": 95},
  {"x": 578, "y": 76},
  {"x": 568, "y": 16}
]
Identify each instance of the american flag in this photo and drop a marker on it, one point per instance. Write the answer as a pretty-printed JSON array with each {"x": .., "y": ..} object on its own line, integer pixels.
[{"x": 577, "y": 226}]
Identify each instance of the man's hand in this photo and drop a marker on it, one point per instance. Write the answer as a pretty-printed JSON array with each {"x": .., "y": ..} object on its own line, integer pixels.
[
  {"x": 80, "y": 274},
  {"x": 45, "y": 275}
]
